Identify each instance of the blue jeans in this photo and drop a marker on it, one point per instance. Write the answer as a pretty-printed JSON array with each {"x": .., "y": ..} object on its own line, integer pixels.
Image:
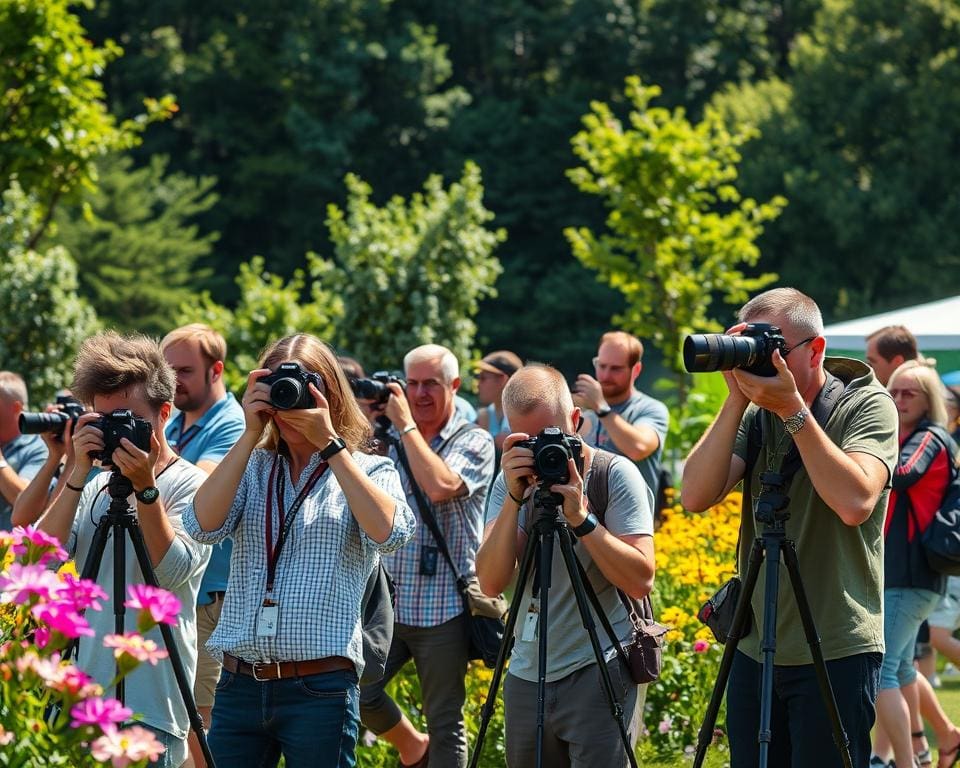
[
  {"x": 313, "y": 721},
  {"x": 904, "y": 610},
  {"x": 802, "y": 734}
]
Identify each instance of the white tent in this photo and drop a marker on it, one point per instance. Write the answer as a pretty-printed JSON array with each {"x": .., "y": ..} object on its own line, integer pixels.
[{"x": 935, "y": 324}]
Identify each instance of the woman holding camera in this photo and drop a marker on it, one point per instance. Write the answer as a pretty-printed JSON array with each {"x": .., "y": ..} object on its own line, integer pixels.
[
  {"x": 911, "y": 588},
  {"x": 308, "y": 513}
]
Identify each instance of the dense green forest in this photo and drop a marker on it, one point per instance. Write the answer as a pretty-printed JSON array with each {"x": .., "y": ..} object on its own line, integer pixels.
[{"x": 256, "y": 112}]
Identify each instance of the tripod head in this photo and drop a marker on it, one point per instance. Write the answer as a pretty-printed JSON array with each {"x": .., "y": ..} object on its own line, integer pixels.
[
  {"x": 770, "y": 507},
  {"x": 119, "y": 488}
]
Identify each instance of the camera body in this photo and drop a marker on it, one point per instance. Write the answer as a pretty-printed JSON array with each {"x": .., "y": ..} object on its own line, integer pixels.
[
  {"x": 289, "y": 387},
  {"x": 117, "y": 425},
  {"x": 751, "y": 351},
  {"x": 375, "y": 388},
  {"x": 70, "y": 410},
  {"x": 552, "y": 449}
]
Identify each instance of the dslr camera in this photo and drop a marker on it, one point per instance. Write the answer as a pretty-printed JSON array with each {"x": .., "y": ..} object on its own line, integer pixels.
[
  {"x": 375, "y": 388},
  {"x": 289, "y": 387},
  {"x": 552, "y": 449},
  {"x": 751, "y": 351},
  {"x": 35, "y": 423},
  {"x": 117, "y": 425}
]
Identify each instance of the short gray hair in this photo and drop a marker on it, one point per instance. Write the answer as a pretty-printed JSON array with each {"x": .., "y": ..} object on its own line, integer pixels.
[
  {"x": 430, "y": 352},
  {"x": 533, "y": 386},
  {"x": 800, "y": 311},
  {"x": 13, "y": 387}
]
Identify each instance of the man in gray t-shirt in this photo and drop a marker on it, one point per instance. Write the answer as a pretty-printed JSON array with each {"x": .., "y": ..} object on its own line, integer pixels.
[
  {"x": 617, "y": 554},
  {"x": 621, "y": 419}
]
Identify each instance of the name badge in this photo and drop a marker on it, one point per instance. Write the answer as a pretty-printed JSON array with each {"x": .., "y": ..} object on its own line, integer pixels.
[
  {"x": 530, "y": 622},
  {"x": 268, "y": 619}
]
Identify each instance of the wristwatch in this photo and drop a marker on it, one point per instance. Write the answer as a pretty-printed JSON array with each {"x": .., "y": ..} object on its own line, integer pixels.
[
  {"x": 604, "y": 411},
  {"x": 589, "y": 523},
  {"x": 794, "y": 424},
  {"x": 148, "y": 495},
  {"x": 334, "y": 447}
]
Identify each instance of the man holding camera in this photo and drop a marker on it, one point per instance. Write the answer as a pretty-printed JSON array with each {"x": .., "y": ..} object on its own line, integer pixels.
[
  {"x": 451, "y": 463},
  {"x": 21, "y": 456},
  {"x": 130, "y": 387},
  {"x": 621, "y": 419},
  {"x": 617, "y": 554},
  {"x": 209, "y": 421},
  {"x": 837, "y": 500}
]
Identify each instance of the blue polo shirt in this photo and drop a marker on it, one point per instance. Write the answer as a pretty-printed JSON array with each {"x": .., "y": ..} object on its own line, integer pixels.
[
  {"x": 209, "y": 439},
  {"x": 25, "y": 454}
]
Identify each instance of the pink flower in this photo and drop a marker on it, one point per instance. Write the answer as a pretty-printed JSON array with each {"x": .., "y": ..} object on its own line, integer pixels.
[
  {"x": 39, "y": 547},
  {"x": 75, "y": 683},
  {"x": 665, "y": 725},
  {"x": 154, "y": 603},
  {"x": 5, "y": 737},
  {"x": 102, "y": 713},
  {"x": 133, "y": 645},
  {"x": 83, "y": 592},
  {"x": 21, "y": 583},
  {"x": 128, "y": 746},
  {"x": 701, "y": 646},
  {"x": 60, "y": 617},
  {"x": 41, "y": 636}
]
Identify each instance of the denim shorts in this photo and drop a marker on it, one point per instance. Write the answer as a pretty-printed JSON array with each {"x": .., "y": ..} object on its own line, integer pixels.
[{"x": 904, "y": 609}]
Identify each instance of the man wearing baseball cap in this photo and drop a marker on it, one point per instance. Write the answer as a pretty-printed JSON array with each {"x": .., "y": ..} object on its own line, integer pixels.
[{"x": 494, "y": 371}]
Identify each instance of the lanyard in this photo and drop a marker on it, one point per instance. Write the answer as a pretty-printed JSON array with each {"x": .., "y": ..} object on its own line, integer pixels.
[
  {"x": 278, "y": 481},
  {"x": 183, "y": 440}
]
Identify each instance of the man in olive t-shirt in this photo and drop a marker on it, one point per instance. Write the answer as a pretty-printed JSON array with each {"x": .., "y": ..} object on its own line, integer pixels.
[{"x": 837, "y": 503}]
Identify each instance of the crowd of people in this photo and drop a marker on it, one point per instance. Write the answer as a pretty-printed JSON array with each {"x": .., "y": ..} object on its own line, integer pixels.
[{"x": 268, "y": 517}]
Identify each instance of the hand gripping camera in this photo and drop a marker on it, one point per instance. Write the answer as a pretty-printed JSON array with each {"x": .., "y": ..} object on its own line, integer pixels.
[
  {"x": 552, "y": 449},
  {"x": 751, "y": 351},
  {"x": 116, "y": 426},
  {"x": 70, "y": 409},
  {"x": 375, "y": 388},
  {"x": 289, "y": 387}
]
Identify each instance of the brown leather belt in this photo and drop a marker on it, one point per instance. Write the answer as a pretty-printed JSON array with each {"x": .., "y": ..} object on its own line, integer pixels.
[{"x": 281, "y": 670}]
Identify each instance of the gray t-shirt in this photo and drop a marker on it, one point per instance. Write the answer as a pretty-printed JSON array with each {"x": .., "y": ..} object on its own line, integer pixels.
[
  {"x": 629, "y": 511},
  {"x": 150, "y": 691},
  {"x": 637, "y": 409}
]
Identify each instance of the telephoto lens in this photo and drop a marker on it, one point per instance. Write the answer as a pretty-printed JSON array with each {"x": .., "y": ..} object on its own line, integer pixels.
[{"x": 751, "y": 351}]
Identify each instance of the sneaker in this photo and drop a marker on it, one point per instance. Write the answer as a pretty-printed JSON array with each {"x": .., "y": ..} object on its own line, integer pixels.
[
  {"x": 935, "y": 681},
  {"x": 950, "y": 672}
]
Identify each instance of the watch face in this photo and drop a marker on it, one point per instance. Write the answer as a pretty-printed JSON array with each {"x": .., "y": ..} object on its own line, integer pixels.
[{"x": 148, "y": 495}]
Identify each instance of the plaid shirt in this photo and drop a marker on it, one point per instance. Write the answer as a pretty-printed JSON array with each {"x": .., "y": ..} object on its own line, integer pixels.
[
  {"x": 322, "y": 571},
  {"x": 426, "y": 601}
]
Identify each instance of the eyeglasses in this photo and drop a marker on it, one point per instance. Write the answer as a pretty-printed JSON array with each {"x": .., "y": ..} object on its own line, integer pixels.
[
  {"x": 611, "y": 368},
  {"x": 798, "y": 344},
  {"x": 906, "y": 394}
]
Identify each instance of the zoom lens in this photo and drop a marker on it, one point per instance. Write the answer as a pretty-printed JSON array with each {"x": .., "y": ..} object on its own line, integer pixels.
[
  {"x": 285, "y": 393},
  {"x": 705, "y": 352}
]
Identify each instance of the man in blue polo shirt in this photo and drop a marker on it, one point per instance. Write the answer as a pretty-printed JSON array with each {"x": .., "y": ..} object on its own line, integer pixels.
[
  {"x": 209, "y": 422},
  {"x": 21, "y": 456}
]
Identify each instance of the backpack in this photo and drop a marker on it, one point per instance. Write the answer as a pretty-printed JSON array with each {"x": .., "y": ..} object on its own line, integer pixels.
[
  {"x": 376, "y": 622},
  {"x": 644, "y": 653}
]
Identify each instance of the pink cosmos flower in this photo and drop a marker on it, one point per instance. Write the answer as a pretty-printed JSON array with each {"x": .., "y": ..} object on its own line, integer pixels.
[
  {"x": 128, "y": 746},
  {"x": 76, "y": 683},
  {"x": 105, "y": 714},
  {"x": 21, "y": 583},
  {"x": 133, "y": 645},
  {"x": 665, "y": 725},
  {"x": 83, "y": 592},
  {"x": 161, "y": 605},
  {"x": 701, "y": 646},
  {"x": 60, "y": 617},
  {"x": 39, "y": 547},
  {"x": 41, "y": 636}
]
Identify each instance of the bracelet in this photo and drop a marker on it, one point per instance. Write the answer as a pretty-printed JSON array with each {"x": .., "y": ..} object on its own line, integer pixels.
[
  {"x": 77, "y": 488},
  {"x": 519, "y": 502},
  {"x": 405, "y": 430}
]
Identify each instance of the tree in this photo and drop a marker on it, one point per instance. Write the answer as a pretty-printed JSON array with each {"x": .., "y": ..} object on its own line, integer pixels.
[
  {"x": 410, "y": 272},
  {"x": 137, "y": 244},
  {"x": 678, "y": 231},
  {"x": 44, "y": 319}
]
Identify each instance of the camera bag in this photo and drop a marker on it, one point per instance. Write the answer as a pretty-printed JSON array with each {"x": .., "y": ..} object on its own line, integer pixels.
[
  {"x": 376, "y": 622},
  {"x": 485, "y": 614}
]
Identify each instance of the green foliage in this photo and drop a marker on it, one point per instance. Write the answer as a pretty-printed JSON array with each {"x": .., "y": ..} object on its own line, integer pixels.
[
  {"x": 269, "y": 309},
  {"x": 136, "y": 245},
  {"x": 678, "y": 231},
  {"x": 44, "y": 319},
  {"x": 53, "y": 122},
  {"x": 410, "y": 272},
  {"x": 689, "y": 419}
]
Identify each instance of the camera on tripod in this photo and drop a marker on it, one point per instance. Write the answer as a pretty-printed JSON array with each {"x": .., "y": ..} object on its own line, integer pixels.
[
  {"x": 375, "y": 388},
  {"x": 116, "y": 426},
  {"x": 751, "y": 351},
  {"x": 552, "y": 449},
  {"x": 54, "y": 422},
  {"x": 290, "y": 387}
]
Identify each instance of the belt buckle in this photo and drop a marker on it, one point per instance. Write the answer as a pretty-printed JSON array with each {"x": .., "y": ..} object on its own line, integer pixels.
[{"x": 259, "y": 665}]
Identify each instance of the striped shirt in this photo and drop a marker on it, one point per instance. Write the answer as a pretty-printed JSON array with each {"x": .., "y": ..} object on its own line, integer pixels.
[
  {"x": 322, "y": 570},
  {"x": 426, "y": 601}
]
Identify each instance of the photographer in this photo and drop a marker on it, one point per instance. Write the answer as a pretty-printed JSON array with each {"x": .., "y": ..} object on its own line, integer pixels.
[
  {"x": 618, "y": 554},
  {"x": 111, "y": 373},
  {"x": 836, "y": 504},
  {"x": 308, "y": 512},
  {"x": 452, "y": 464},
  {"x": 21, "y": 456}
]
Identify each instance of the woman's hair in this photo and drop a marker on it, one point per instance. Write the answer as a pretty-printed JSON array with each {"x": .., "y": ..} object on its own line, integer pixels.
[
  {"x": 345, "y": 414},
  {"x": 929, "y": 383}
]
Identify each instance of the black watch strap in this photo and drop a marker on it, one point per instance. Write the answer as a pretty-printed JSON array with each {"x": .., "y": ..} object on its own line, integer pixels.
[
  {"x": 605, "y": 411},
  {"x": 589, "y": 523},
  {"x": 148, "y": 495},
  {"x": 334, "y": 447}
]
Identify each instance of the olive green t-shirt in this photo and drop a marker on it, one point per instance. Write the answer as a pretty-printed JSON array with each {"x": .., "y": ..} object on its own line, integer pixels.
[{"x": 841, "y": 566}]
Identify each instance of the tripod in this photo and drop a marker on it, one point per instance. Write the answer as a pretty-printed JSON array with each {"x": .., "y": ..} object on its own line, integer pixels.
[
  {"x": 548, "y": 524},
  {"x": 120, "y": 519},
  {"x": 771, "y": 512}
]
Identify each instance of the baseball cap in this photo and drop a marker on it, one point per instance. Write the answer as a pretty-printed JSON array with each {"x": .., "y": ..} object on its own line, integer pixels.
[{"x": 504, "y": 362}]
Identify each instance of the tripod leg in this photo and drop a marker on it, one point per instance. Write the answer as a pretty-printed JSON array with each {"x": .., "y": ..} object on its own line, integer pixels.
[
  {"x": 91, "y": 568},
  {"x": 813, "y": 640},
  {"x": 740, "y": 613},
  {"x": 579, "y": 592},
  {"x": 546, "y": 563},
  {"x": 186, "y": 694},
  {"x": 119, "y": 587},
  {"x": 526, "y": 563},
  {"x": 768, "y": 646}
]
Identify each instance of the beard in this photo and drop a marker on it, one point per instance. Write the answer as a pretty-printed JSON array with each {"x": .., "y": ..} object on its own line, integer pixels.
[{"x": 187, "y": 402}]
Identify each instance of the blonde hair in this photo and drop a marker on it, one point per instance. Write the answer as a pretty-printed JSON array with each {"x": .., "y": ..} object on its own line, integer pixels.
[
  {"x": 930, "y": 384},
  {"x": 212, "y": 345},
  {"x": 13, "y": 387},
  {"x": 534, "y": 386},
  {"x": 109, "y": 362},
  {"x": 316, "y": 356}
]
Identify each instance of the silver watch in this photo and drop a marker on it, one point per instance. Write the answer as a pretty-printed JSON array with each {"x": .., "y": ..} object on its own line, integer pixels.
[{"x": 794, "y": 424}]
